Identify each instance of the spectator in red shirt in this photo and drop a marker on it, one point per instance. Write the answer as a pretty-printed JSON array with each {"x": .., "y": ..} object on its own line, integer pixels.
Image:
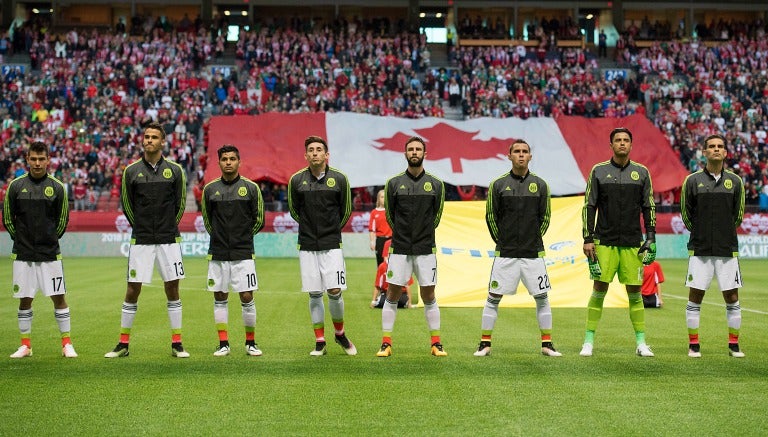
[
  {"x": 379, "y": 229},
  {"x": 653, "y": 276}
]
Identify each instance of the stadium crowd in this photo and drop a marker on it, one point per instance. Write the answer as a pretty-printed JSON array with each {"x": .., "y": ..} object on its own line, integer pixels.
[{"x": 90, "y": 92}]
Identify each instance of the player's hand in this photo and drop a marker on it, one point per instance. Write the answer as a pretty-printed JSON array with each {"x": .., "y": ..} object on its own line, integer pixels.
[{"x": 647, "y": 252}]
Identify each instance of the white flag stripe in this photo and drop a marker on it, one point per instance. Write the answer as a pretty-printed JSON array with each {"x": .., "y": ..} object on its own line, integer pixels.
[{"x": 352, "y": 140}]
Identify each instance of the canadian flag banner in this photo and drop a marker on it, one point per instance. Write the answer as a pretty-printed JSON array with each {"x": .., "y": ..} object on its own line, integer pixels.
[{"x": 369, "y": 149}]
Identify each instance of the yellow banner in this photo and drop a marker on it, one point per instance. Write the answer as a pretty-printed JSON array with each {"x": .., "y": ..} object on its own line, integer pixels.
[{"x": 465, "y": 254}]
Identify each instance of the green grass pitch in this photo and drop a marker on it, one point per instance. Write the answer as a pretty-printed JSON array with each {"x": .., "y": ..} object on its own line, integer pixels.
[{"x": 516, "y": 391}]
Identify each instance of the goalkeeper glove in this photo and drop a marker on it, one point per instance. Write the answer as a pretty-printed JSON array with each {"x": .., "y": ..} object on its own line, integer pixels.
[
  {"x": 647, "y": 252},
  {"x": 594, "y": 268}
]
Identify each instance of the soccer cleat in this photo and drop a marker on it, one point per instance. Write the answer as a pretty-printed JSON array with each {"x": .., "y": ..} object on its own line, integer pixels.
[
  {"x": 68, "y": 351},
  {"x": 121, "y": 350},
  {"x": 222, "y": 351},
  {"x": 252, "y": 350},
  {"x": 22, "y": 352},
  {"x": 177, "y": 350},
  {"x": 319, "y": 350},
  {"x": 347, "y": 345},
  {"x": 643, "y": 350},
  {"x": 548, "y": 349},
  {"x": 733, "y": 350},
  {"x": 385, "y": 351},
  {"x": 586, "y": 350},
  {"x": 483, "y": 350},
  {"x": 437, "y": 350},
  {"x": 694, "y": 350}
]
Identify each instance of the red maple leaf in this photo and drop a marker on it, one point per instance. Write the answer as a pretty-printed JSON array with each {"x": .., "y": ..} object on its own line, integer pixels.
[{"x": 445, "y": 141}]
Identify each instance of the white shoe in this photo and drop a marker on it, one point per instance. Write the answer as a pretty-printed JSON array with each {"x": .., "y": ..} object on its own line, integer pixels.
[
  {"x": 483, "y": 349},
  {"x": 694, "y": 350},
  {"x": 550, "y": 352},
  {"x": 223, "y": 351},
  {"x": 253, "y": 350},
  {"x": 22, "y": 352},
  {"x": 734, "y": 351},
  {"x": 179, "y": 352},
  {"x": 643, "y": 350},
  {"x": 68, "y": 351},
  {"x": 319, "y": 350},
  {"x": 586, "y": 350}
]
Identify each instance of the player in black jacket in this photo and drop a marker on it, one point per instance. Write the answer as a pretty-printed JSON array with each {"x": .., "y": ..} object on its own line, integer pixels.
[
  {"x": 36, "y": 213},
  {"x": 619, "y": 192},
  {"x": 517, "y": 215},
  {"x": 153, "y": 198},
  {"x": 319, "y": 199},
  {"x": 414, "y": 204},
  {"x": 712, "y": 203},
  {"x": 233, "y": 212}
]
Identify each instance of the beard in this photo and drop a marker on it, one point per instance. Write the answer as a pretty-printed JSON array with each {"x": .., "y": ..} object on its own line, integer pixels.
[{"x": 417, "y": 163}]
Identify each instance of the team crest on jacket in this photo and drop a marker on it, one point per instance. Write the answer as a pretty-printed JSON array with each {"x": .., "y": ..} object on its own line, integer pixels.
[
  {"x": 427, "y": 186},
  {"x": 167, "y": 173},
  {"x": 635, "y": 176},
  {"x": 331, "y": 182},
  {"x": 532, "y": 187},
  {"x": 49, "y": 191},
  {"x": 728, "y": 184},
  {"x": 242, "y": 191}
]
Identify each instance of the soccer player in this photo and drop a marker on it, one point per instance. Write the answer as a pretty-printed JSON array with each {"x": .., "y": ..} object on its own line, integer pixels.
[
  {"x": 517, "y": 213},
  {"x": 712, "y": 205},
  {"x": 233, "y": 212},
  {"x": 153, "y": 198},
  {"x": 379, "y": 230},
  {"x": 619, "y": 192},
  {"x": 414, "y": 205},
  {"x": 36, "y": 213},
  {"x": 319, "y": 199}
]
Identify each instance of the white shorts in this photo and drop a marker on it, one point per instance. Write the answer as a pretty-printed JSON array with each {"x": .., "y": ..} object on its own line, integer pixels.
[
  {"x": 237, "y": 275},
  {"x": 507, "y": 273},
  {"x": 142, "y": 259},
  {"x": 401, "y": 267},
  {"x": 701, "y": 270},
  {"x": 29, "y": 277},
  {"x": 322, "y": 270}
]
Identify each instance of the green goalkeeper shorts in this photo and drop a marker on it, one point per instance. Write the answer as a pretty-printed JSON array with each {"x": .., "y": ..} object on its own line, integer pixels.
[{"x": 622, "y": 260}]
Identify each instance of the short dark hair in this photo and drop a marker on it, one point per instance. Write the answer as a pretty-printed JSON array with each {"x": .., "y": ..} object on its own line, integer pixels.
[
  {"x": 157, "y": 126},
  {"x": 619, "y": 130},
  {"x": 315, "y": 139},
  {"x": 226, "y": 148},
  {"x": 519, "y": 142},
  {"x": 39, "y": 147},
  {"x": 418, "y": 140},
  {"x": 714, "y": 136}
]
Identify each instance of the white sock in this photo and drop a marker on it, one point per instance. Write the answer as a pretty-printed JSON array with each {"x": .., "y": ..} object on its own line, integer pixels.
[
  {"x": 128, "y": 314},
  {"x": 543, "y": 311},
  {"x": 62, "y": 319},
  {"x": 174, "y": 313},
  {"x": 388, "y": 315},
  {"x": 316, "y": 308},
  {"x": 432, "y": 314},
  {"x": 25, "y": 321},
  {"x": 249, "y": 313},
  {"x": 490, "y": 313}
]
